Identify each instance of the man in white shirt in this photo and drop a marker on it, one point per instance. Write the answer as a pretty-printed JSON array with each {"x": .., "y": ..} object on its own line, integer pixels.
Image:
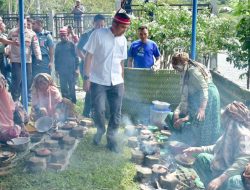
[{"x": 106, "y": 51}]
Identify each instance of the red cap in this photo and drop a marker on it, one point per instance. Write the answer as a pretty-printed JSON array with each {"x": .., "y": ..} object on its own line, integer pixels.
[{"x": 122, "y": 17}]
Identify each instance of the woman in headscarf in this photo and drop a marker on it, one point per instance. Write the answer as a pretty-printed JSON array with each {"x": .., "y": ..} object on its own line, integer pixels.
[
  {"x": 8, "y": 129},
  {"x": 45, "y": 96},
  {"x": 220, "y": 166},
  {"x": 196, "y": 120}
]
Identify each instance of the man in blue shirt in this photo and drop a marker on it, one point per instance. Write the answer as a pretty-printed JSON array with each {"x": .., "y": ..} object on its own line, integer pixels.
[
  {"x": 143, "y": 53},
  {"x": 47, "y": 49}
]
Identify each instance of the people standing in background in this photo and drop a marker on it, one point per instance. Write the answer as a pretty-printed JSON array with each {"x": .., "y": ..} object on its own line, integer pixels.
[
  {"x": 47, "y": 49},
  {"x": 126, "y": 5},
  {"x": 106, "y": 51},
  {"x": 66, "y": 65},
  {"x": 5, "y": 67},
  {"x": 71, "y": 35},
  {"x": 151, "y": 13},
  {"x": 144, "y": 53},
  {"x": 99, "y": 22},
  {"x": 78, "y": 10},
  {"x": 118, "y": 4},
  {"x": 31, "y": 42},
  {"x": 29, "y": 22}
]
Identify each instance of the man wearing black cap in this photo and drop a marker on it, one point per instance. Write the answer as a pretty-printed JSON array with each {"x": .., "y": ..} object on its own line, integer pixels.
[{"x": 103, "y": 75}]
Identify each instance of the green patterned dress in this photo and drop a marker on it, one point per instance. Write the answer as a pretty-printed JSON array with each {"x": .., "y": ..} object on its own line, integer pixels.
[{"x": 195, "y": 88}]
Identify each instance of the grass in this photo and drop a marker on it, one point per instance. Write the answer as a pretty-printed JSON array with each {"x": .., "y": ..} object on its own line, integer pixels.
[{"x": 91, "y": 168}]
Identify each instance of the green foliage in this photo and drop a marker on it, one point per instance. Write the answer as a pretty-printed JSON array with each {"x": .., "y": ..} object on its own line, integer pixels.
[
  {"x": 60, "y": 5},
  {"x": 239, "y": 49},
  {"x": 171, "y": 28}
]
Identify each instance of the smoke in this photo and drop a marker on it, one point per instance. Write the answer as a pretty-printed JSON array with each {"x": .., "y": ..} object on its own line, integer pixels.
[{"x": 126, "y": 120}]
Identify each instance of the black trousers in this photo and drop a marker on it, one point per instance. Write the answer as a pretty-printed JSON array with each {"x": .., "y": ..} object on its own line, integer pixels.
[
  {"x": 99, "y": 95},
  {"x": 67, "y": 84},
  {"x": 16, "y": 83}
]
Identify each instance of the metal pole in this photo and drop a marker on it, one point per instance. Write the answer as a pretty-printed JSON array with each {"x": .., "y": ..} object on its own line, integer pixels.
[
  {"x": 194, "y": 18},
  {"x": 23, "y": 55}
]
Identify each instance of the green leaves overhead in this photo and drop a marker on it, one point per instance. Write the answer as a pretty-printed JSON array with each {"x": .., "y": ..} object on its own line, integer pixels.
[{"x": 172, "y": 28}]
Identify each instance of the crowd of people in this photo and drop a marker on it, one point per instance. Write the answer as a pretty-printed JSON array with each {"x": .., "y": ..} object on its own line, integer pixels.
[{"x": 222, "y": 153}]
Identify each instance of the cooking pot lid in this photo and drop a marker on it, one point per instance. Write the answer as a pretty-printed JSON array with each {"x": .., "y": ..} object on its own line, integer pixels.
[{"x": 43, "y": 124}]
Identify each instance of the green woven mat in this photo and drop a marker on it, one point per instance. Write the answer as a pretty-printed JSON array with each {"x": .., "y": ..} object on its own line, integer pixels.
[{"x": 143, "y": 86}]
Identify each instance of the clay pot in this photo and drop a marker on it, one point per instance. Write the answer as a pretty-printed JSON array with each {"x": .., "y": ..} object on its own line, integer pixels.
[
  {"x": 143, "y": 174},
  {"x": 150, "y": 160},
  {"x": 6, "y": 158},
  {"x": 51, "y": 144},
  {"x": 177, "y": 147},
  {"x": 57, "y": 136},
  {"x": 19, "y": 144},
  {"x": 36, "y": 164},
  {"x": 169, "y": 181},
  {"x": 69, "y": 125},
  {"x": 68, "y": 142},
  {"x": 77, "y": 132},
  {"x": 86, "y": 122},
  {"x": 184, "y": 160},
  {"x": 58, "y": 156},
  {"x": 36, "y": 137},
  {"x": 43, "y": 152},
  {"x": 149, "y": 147},
  {"x": 132, "y": 142},
  {"x": 137, "y": 156},
  {"x": 159, "y": 169}
]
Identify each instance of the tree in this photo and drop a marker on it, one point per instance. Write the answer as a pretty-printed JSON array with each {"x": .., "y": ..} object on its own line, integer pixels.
[
  {"x": 58, "y": 5},
  {"x": 171, "y": 29},
  {"x": 239, "y": 49}
]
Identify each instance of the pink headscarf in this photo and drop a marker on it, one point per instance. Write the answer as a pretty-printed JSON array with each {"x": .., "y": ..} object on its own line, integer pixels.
[
  {"x": 48, "y": 99},
  {"x": 7, "y": 106}
]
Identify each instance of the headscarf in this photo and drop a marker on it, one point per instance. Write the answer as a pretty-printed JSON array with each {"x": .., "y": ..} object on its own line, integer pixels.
[
  {"x": 235, "y": 140},
  {"x": 45, "y": 76},
  {"x": 47, "y": 99},
  {"x": 238, "y": 112},
  {"x": 182, "y": 57},
  {"x": 7, "y": 105}
]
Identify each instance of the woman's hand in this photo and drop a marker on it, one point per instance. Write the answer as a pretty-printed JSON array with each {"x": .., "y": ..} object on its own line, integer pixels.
[
  {"x": 178, "y": 123},
  {"x": 43, "y": 111},
  {"x": 201, "y": 114},
  {"x": 176, "y": 116},
  {"x": 192, "y": 150},
  {"x": 217, "y": 182}
]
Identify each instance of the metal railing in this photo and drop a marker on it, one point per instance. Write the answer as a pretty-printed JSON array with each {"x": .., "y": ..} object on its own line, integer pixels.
[
  {"x": 10, "y": 20},
  {"x": 81, "y": 24}
]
